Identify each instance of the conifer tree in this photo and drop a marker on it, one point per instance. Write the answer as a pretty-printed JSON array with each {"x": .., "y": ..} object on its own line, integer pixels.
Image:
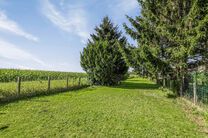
[
  {"x": 170, "y": 33},
  {"x": 101, "y": 59},
  {"x": 197, "y": 34},
  {"x": 150, "y": 50}
]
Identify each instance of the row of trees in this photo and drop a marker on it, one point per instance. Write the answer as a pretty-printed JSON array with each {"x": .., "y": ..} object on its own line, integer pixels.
[{"x": 172, "y": 35}]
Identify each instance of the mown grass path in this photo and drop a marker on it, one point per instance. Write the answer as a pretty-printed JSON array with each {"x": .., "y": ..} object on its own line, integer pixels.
[{"x": 135, "y": 109}]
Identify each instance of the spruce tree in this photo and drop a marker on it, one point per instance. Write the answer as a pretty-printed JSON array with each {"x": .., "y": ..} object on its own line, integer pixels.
[
  {"x": 197, "y": 34},
  {"x": 102, "y": 59},
  {"x": 170, "y": 34},
  {"x": 150, "y": 53}
]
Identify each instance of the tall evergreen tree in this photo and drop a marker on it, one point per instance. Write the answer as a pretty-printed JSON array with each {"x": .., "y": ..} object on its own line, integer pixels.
[
  {"x": 101, "y": 59},
  {"x": 164, "y": 32},
  {"x": 197, "y": 24},
  {"x": 150, "y": 50}
]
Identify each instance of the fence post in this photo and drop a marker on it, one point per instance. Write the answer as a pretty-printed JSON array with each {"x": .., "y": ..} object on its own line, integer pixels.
[
  {"x": 73, "y": 81},
  {"x": 202, "y": 95},
  {"x": 18, "y": 85},
  {"x": 49, "y": 83},
  {"x": 163, "y": 81},
  {"x": 88, "y": 80},
  {"x": 195, "y": 93},
  {"x": 181, "y": 89},
  {"x": 171, "y": 84},
  {"x": 181, "y": 85},
  {"x": 67, "y": 81},
  {"x": 195, "y": 89},
  {"x": 79, "y": 80}
]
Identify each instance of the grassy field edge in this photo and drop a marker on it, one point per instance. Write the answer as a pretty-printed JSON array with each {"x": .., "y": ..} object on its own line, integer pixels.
[{"x": 136, "y": 108}]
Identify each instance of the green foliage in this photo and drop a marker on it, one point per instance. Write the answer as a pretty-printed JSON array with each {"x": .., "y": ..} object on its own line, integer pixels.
[
  {"x": 8, "y": 75},
  {"x": 203, "y": 77},
  {"x": 170, "y": 34},
  {"x": 102, "y": 59}
]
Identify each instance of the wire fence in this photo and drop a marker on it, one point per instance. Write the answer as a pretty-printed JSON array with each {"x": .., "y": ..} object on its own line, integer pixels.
[
  {"x": 193, "y": 85},
  {"x": 197, "y": 86},
  {"x": 23, "y": 86}
]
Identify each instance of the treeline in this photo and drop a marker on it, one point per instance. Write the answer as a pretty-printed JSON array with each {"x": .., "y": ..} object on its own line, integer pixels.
[{"x": 172, "y": 37}]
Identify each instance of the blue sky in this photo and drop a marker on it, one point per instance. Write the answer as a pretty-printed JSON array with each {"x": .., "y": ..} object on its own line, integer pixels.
[{"x": 50, "y": 34}]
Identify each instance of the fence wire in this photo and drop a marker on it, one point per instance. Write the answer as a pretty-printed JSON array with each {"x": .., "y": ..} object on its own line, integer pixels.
[
  {"x": 47, "y": 84},
  {"x": 201, "y": 80},
  {"x": 188, "y": 83}
]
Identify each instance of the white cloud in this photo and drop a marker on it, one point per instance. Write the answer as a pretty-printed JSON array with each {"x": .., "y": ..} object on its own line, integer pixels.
[
  {"x": 122, "y": 7},
  {"x": 61, "y": 3},
  {"x": 65, "y": 66},
  {"x": 9, "y": 25},
  {"x": 73, "y": 22},
  {"x": 12, "y": 65},
  {"x": 127, "y": 5},
  {"x": 10, "y": 51}
]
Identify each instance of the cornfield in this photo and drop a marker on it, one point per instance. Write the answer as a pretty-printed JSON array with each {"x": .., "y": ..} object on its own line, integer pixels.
[
  {"x": 38, "y": 82},
  {"x": 9, "y": 75}
]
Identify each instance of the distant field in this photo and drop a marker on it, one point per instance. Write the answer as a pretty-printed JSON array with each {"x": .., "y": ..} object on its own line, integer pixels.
[
  {"x": 28, "y": 88},
  {"x": 9, "y": 75},
  {"x": 136, "y": 108},
  {"x": 36, "y": 82}
]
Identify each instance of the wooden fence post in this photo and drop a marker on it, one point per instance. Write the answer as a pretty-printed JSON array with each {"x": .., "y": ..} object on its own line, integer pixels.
[
  {"x": 18, "y": 85},
  {"x": 88, "y": 80},
  {"x": 195, "y": 93},
  {"x": 49, "y": 83},
  {"x": 182, "y": 85},
  {"x": 181, "y": 88},
  {"x": 73, "y": 81},
  {"x": 171, "y": 84},
  {"x": 195, "y": 89},
  {"x": 79, "y": 80},
  {"x": 67, "y": 81}
]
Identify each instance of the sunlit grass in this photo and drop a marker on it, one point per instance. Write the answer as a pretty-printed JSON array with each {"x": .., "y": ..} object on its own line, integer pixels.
[{"x": 136, "y": 108}]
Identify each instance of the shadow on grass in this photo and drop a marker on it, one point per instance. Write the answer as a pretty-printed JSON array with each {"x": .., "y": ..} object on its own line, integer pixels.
[
  {"x": 171, "y": 96},
  {"x": 140, "y": 84},
  {"x": 4, "y": 127},
  {"x": 135, "y": 80},
  {"x": 27, "y": 96},
  {"x": 131, "y": 85}
]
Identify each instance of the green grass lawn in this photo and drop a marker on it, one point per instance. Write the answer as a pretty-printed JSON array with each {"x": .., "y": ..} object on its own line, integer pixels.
[{"x": 136, "y": 108}]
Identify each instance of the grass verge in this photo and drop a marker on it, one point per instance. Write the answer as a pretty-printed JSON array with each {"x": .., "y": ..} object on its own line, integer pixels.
[{"x": 136, "y": 108}]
